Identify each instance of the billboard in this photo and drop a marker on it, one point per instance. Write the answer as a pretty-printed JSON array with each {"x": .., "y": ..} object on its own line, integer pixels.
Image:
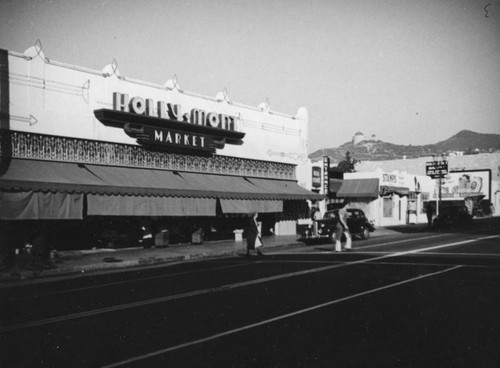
[{"x": 465, "y": 184}]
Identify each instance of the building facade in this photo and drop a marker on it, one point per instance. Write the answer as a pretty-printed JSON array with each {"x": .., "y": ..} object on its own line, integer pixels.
[
  {"x": 387, "y": 198},
  {"x": 399, "y": 197},
  {"x": 94, "y": 158}
]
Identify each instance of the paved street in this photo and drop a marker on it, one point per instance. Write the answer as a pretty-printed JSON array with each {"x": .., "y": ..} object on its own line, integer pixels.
[{"x": 416, "y": 299}]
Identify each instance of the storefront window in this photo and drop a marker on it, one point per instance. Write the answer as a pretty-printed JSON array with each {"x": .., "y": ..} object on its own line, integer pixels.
[
  {"x": 387, "y": 207},
  {"x": 424, "y": 197}
]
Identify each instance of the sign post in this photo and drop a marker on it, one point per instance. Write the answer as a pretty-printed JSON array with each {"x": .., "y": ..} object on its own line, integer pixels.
[
  {"x": 437, "y": 169},
  {"x": 326, "y": 179}
]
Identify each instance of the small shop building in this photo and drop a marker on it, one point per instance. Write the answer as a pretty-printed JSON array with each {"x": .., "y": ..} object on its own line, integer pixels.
[{"x": 387, "y": 199}]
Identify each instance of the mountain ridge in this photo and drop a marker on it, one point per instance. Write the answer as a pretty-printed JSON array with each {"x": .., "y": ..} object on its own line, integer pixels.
[{"x": 464, "y": 142}]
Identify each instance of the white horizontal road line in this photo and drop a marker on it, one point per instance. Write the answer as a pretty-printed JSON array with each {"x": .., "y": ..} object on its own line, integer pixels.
[
  {"x": 322, "y": 252},
  {"x": 227, "y": 287},
  {"x": 271, "y": 320},
  {"x": 123, "y": 282},
  {"x": 472, "y": 255},
  {"x": 427, "y": 264},
  {"x": 493, "y": 255},
  {"x": 374, "y": 245},
  {"x": 402, "y": 241}
]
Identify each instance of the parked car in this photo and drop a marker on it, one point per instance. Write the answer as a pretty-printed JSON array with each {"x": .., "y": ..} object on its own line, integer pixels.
[
  {"x": 323, "y": 230},
  {"x": 358, "y": 223},
  {"x": 452, "y": 216}
]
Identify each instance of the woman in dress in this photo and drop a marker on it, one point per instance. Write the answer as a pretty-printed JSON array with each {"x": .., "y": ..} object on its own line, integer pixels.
[{"x": 253, "y": 236}]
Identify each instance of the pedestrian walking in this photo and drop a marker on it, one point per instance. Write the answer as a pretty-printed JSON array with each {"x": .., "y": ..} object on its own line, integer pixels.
[
  {"x": 147, "y": 240},
  {"x": 254, "y": 241},
  {"x": 429, "y": 212},
  {"x": 343, "y": 229},
  {"x": 315, "y": 216}
]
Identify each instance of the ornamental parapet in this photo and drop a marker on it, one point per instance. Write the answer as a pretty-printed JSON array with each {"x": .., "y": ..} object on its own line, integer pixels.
[{"x": 17, "y": 144}]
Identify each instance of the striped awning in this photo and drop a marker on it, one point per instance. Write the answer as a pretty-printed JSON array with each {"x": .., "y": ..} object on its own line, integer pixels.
[
  {"x": 359, "y": 188},
  {"x": 48, "y": 176}
]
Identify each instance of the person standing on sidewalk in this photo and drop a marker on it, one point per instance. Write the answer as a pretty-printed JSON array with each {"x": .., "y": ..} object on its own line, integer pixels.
[
  {"x": 342, "y": 228},
  {"x": 430, "y": 212},
  {"x": 253, "y": 236},
  {"x": 147, "y": 240}
]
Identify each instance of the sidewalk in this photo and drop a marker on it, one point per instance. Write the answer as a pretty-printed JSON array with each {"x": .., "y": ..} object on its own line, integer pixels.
[
  {"x": 67, "y": 263},
  {"x": 94, "y": 260}
]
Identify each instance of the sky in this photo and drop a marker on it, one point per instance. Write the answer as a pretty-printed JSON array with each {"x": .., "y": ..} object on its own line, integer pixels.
[{"x": 407, "y": 71}]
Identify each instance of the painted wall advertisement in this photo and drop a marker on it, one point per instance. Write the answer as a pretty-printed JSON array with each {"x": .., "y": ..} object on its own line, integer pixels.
[{"x": 465, "y": 184}]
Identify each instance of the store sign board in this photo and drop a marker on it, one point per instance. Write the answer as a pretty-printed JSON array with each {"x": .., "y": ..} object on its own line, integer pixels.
[
  {"x": 436, "y": 169},
  {"x": 164, "y": 125},
  {"x": 316, "y": 177},
  {"x": 140, "y": 106},
  {"x": 172, "y": 137},
  {"x": 392, "y": 180},
  {"x": 326, "y": 179}
]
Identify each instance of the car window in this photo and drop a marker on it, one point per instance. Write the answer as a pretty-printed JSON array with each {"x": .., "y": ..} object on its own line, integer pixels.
[
  {"x": 356, "y": 214},
  {"x": 329, "y": 215}
]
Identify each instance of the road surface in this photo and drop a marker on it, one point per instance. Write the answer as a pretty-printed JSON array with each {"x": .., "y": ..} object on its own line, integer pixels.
[{"x": 421, "y": 299}]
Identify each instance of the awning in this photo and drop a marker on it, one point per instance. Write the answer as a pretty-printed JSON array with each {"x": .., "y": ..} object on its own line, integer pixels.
[
  {"x": 335, "y": 185},
  {"x": 40, "y": 206},
  {"x": 388, "y": 190},
  {"x": 359, "y": 188},
  {"x": 125, "y": 205},
  {"x": 47, "y": 176},
  {"x": 250, "y": 206}
]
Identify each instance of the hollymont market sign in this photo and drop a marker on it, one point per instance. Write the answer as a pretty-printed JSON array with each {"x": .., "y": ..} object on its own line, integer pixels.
[{"x": 163, "y": 124}]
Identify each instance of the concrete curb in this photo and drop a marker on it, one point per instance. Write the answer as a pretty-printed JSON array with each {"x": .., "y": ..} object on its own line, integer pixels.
[{"x": 99, "y": 265}]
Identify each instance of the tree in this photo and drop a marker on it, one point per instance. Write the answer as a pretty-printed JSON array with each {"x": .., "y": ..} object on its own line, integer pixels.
[{"x": 347, "y": 165}]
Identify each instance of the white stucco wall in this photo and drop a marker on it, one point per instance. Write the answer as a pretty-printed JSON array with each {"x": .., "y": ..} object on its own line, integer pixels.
[
  {"x": 374, "y": 209},
  {"x": 47, "y": 97}
]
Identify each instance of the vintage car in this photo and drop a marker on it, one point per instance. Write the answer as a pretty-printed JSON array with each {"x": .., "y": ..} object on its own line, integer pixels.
[
  {"x": 452, "y": 217},
  {"x": 359, "y": 225},
  {"x": 322, "y": 231}
]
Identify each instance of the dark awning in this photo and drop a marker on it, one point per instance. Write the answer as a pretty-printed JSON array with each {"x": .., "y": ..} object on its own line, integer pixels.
[
  {"x": 29, "y": 205},
  {"x": 335, "y": 185},
  {"x": 47, "y": 176},
  {"x": 359, "y": 188},
  {"x": 250, "y": 206},
  {"x": 388, "y": 190},
  {"x": 126, "y": 205}
]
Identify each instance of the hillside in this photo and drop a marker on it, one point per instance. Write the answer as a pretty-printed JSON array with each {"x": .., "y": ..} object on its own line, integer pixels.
[{"x": 375, "y": 150}]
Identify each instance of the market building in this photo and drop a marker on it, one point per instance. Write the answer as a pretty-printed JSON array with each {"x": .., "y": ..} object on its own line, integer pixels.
[{"x": 94, "y": 158}]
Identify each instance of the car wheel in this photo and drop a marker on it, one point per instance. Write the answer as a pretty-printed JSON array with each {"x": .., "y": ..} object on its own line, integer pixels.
[{"x": 365, "y": 233}]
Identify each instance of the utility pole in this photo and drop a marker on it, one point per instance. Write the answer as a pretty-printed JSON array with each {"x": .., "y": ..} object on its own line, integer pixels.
[{"x": 438, "y": 169}]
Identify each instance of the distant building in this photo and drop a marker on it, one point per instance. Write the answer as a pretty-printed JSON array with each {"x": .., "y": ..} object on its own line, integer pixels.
[
  {"x": 387, "y": 198},
  {"x": 358, "y": 138}
]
